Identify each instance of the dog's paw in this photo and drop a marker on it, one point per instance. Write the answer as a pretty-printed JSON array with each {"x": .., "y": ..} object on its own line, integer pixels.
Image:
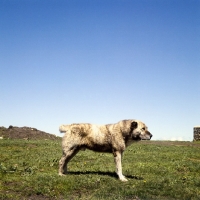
[
  {"x": 123, "y": 179},
  {"x": 61, "y": 174}
]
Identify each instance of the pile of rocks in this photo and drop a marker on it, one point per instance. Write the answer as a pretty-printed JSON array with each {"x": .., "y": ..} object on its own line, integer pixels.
[
  {"x": 196, "y": 133},
  {"x": 14, "y": 132}
]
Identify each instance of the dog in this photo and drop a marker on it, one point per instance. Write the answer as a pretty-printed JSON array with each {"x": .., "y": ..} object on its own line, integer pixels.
[{"x": 110, "y": 138}]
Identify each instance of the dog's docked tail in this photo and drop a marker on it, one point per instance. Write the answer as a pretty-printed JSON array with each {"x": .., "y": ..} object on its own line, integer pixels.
[{"x": 63, "y": 128}]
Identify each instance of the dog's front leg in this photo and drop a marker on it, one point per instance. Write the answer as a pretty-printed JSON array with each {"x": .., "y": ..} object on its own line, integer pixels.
[{"x": 118, "y": 163}]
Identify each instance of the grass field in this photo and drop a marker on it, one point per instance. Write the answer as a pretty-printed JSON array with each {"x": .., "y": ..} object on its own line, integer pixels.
[{"x": 155, "y": 170}]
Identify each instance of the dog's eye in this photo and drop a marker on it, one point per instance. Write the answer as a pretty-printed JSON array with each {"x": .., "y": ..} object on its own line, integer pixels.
[{"x": 143, "y": 129}]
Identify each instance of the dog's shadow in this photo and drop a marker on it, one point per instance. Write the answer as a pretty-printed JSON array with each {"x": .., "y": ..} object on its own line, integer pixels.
[{"x": 111, "y": 174}]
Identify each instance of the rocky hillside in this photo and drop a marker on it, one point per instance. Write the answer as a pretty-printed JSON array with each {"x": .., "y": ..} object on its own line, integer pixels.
[{"x": 14, "y": 132}]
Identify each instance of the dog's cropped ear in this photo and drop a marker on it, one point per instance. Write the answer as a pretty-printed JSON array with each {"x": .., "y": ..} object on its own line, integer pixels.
[{"x": 134, "y": 125}]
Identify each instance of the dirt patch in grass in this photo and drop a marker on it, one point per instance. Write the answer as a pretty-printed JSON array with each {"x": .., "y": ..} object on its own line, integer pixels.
[{"x": 41, "y": 197}]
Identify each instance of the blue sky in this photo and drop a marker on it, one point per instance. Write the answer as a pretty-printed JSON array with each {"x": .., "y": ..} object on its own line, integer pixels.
[{"x": 101, "y": 61}]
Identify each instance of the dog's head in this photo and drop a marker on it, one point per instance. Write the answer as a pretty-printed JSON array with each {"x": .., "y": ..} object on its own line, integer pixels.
[{"x": 136, "y": 129}]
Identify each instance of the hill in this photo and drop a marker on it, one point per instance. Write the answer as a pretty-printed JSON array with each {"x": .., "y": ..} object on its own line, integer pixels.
[{"x": 14, "y": 132}]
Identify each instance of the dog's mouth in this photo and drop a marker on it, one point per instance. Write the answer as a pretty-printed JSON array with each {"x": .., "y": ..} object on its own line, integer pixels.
[
  {"x": 136, "y": 138},
  {"x": 139, "y": 137},
  {"x": 147, "y": 136}
]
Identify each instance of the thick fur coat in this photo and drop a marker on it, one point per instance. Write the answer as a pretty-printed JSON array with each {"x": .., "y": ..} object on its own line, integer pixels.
[{"x": 111, "y": 138}]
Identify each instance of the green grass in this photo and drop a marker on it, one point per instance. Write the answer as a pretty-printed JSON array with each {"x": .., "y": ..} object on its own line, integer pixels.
[{"x": 155, "y": 170}]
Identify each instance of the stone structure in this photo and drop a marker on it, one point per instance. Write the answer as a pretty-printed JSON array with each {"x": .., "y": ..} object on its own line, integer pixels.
[{"x": 196, "y": 133}]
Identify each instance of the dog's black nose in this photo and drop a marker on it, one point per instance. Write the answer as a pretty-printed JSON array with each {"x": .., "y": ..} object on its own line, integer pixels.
[{"x": 150, "y": 135}]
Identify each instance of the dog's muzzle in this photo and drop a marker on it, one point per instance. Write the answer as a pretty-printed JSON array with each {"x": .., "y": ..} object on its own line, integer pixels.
[
  {"x": 147, "y": 136},
  {"x": 150, "y": 135}
]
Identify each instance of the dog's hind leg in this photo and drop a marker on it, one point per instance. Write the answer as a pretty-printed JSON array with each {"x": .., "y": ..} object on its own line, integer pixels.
[
  {"x": 66, "y": 157},
  {"x": 118, "y": 163}
]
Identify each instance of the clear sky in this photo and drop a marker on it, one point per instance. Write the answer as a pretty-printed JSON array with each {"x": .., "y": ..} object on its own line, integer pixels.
[{"x": 101, "y": 61}]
